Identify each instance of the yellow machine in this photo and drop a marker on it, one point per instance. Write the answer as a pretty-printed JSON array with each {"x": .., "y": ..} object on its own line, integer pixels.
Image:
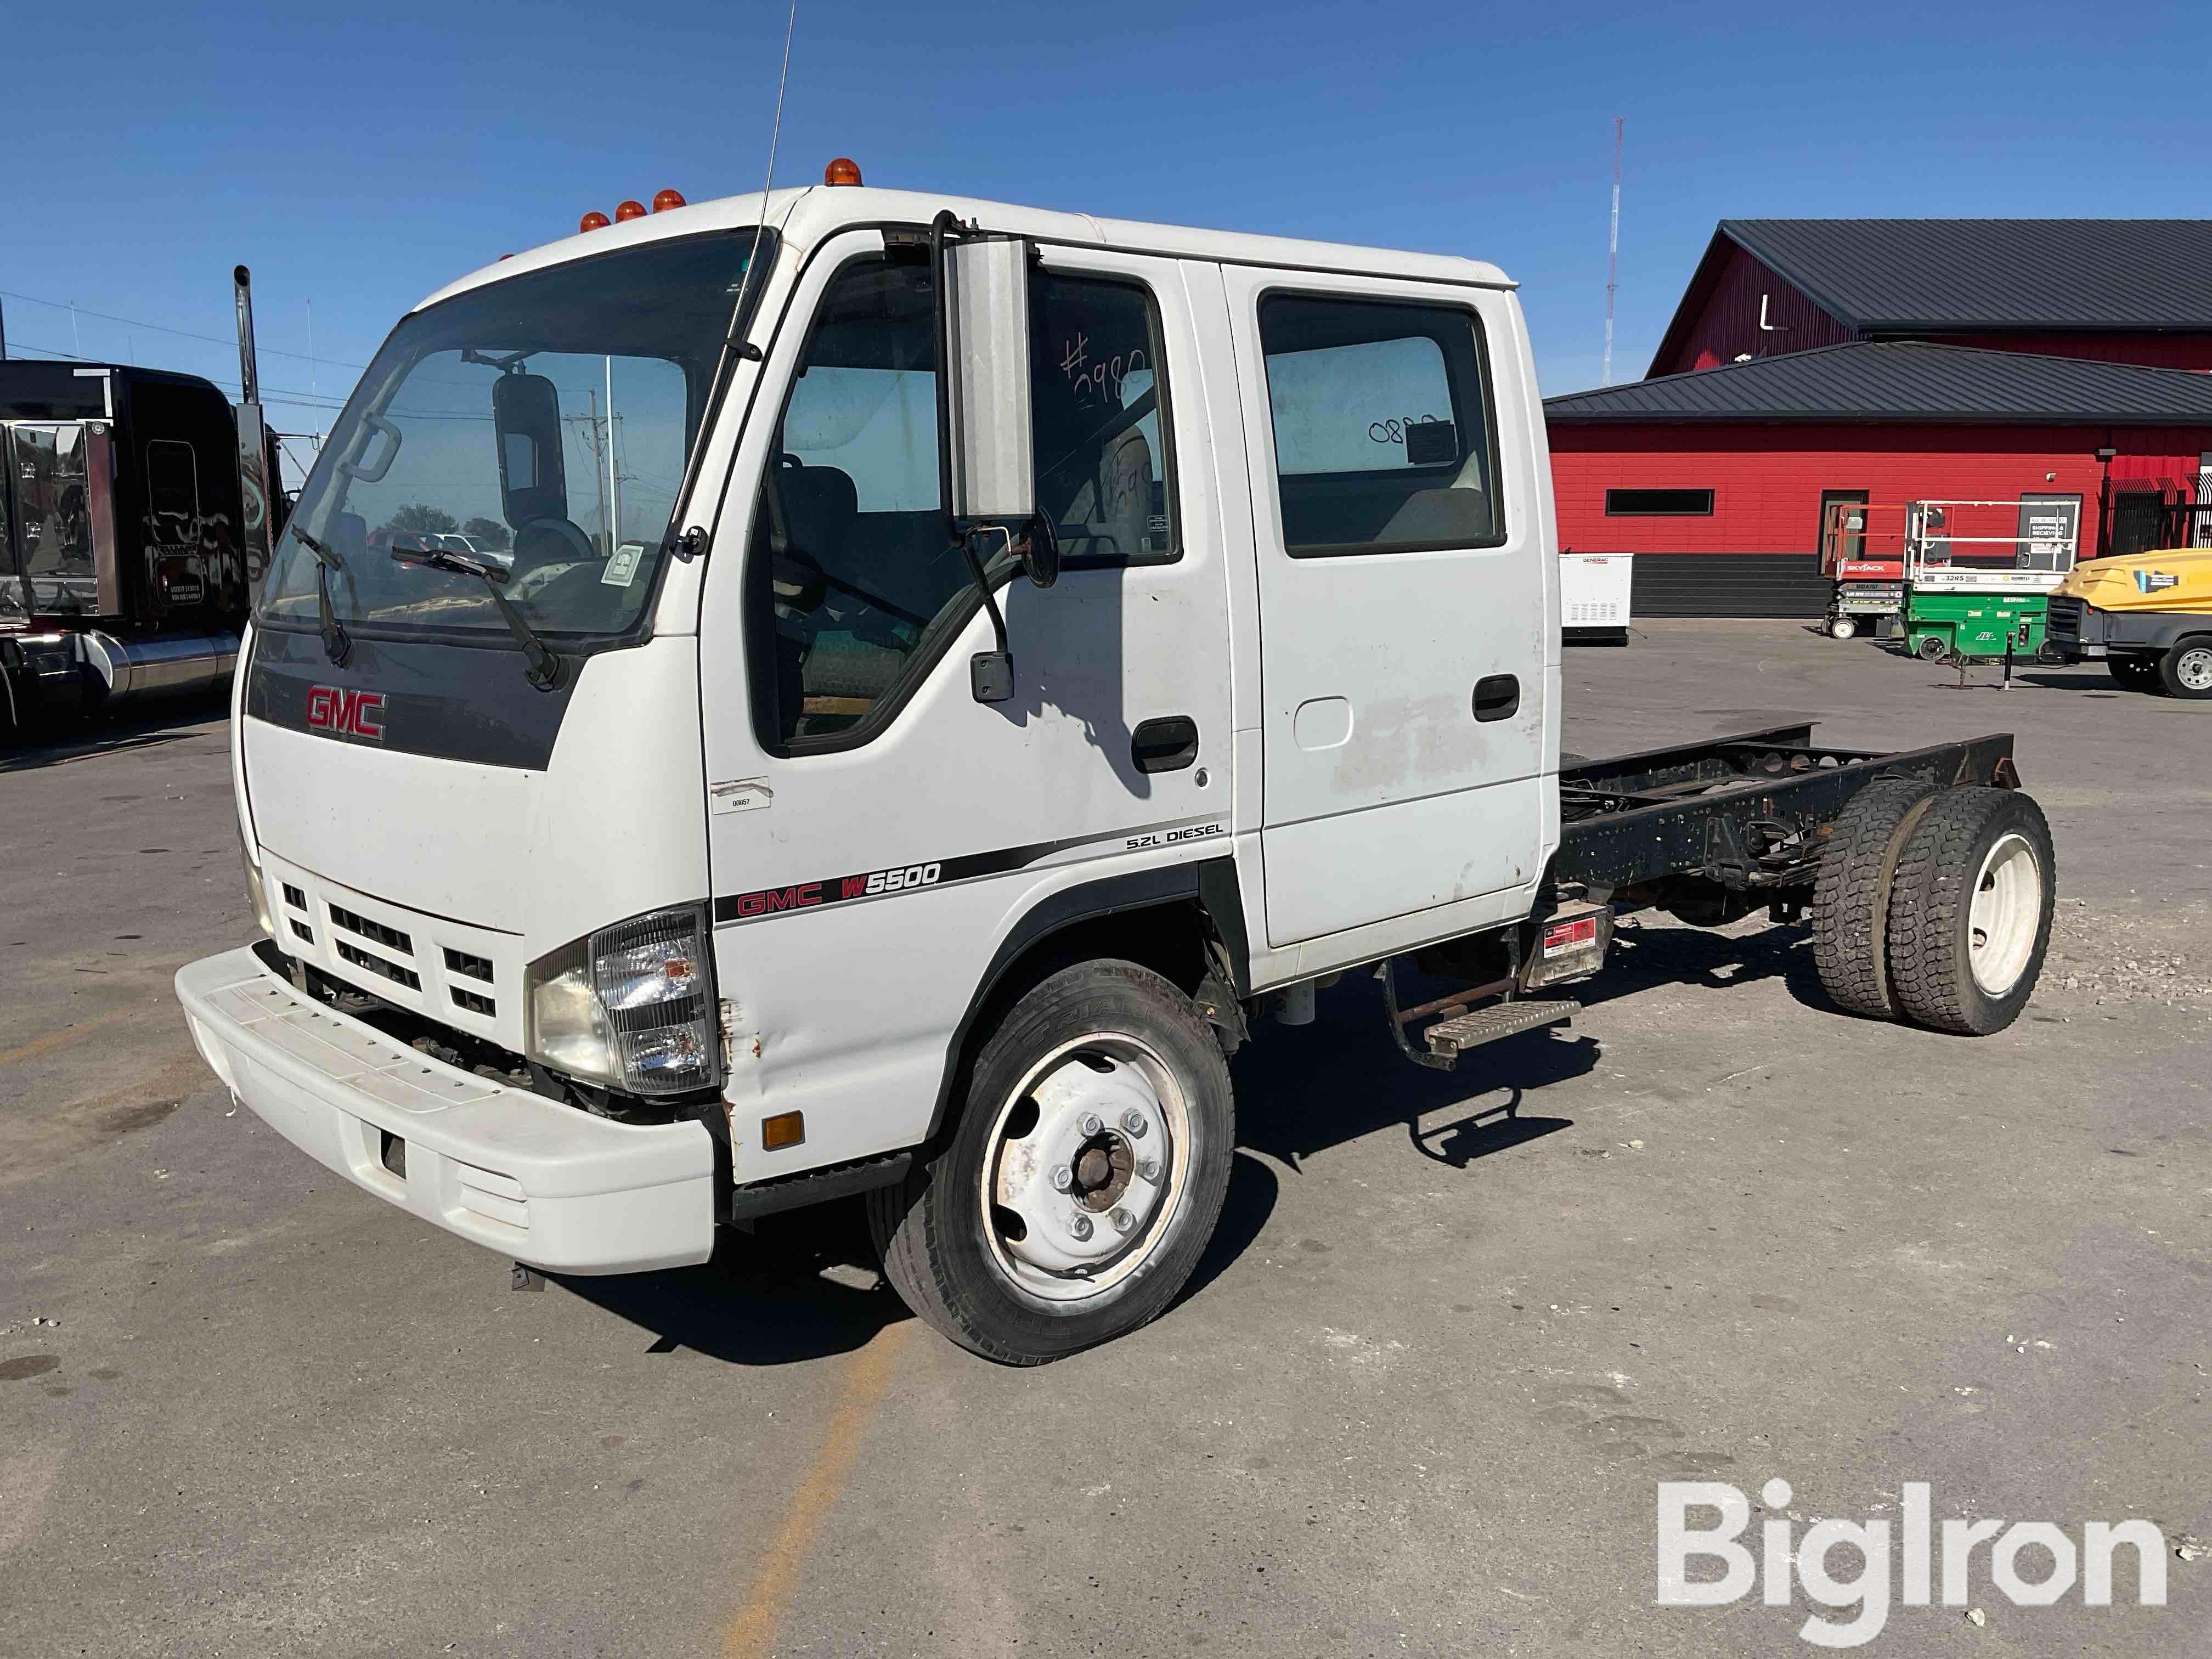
[{"x": 2148, "y": 615}]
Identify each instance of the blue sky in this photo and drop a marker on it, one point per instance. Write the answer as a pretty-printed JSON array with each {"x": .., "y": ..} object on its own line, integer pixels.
[{"x": 359, "y": 158}]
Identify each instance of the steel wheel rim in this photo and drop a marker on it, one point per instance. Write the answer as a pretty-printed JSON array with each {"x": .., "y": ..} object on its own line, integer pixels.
[
  {"x": 2193, "y": 668},
  {"x": 2005, "y": 914},
  {"x": 1106, "y": 1074}
]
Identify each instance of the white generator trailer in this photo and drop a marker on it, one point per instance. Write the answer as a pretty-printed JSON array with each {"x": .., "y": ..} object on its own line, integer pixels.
[
  {"x": 957, "y": 669},
  {"x": 1594, "y": 591}
]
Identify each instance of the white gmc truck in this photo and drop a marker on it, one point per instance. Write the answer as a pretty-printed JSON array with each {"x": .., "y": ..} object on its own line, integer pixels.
[{"x": 957, "y": 669}]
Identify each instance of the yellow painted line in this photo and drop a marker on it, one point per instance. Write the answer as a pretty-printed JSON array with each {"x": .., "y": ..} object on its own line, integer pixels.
[
  {"x": 68, "y": 1034},
  {"x": 754, "y": 1627}
]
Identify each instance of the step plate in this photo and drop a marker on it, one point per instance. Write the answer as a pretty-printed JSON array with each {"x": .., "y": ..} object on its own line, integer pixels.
[{"x": 1457, "y": 1035}]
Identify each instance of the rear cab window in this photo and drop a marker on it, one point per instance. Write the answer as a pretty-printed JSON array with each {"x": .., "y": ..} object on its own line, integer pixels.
[{"x": 1384, "y": 426}]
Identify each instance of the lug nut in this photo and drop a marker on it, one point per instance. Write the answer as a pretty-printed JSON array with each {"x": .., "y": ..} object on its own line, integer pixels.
[
  {"x": 1080, "y": 1226},
  {"x": 1062, "y": 1178},
  {"x": 1090, "y": 1125},
  {"x": 1149, "y": 1168},
  {"x": 1122, "y": 1220},
  {"x": 1133, "y": 1122}
]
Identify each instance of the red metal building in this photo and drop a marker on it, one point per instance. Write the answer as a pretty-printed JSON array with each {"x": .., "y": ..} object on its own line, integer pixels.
[
  {"x": 2123, "y": 290},
  {"x": 1717, "y": 481},
  {"x": 1798, "y": 371}
]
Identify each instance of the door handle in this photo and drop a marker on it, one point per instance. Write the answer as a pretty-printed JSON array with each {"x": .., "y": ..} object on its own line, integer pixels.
[
  {"x": 1166, "y": 744},
  {"x": 1497, "y": 696}
]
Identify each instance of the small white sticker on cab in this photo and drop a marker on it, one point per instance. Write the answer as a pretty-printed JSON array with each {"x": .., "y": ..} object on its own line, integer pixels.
[
  {"x": 623, "y": 567},
  {"x": 746, "y": 795}
]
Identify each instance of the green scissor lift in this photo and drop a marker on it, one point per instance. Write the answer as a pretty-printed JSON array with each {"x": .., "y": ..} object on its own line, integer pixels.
[{"x": 1974, "y": 595}]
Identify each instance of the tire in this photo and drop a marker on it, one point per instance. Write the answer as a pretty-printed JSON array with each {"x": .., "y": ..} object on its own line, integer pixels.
[
  {"x": 1850, "y": 894},
  {"x": 1008, "y": 1275},
  {"x": 1842, "y": 628},
  {"x": 2134, "y": 673},
  {"x": 2186, "y": 669},
  {"x": 1930, "y": 648},
  {"x": 1970, "y": 910}
]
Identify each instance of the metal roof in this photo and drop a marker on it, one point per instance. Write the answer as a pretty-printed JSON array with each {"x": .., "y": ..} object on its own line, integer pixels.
[
  {"x": 1905, "y": 380},
  {"x": 1892, "y": 276}
]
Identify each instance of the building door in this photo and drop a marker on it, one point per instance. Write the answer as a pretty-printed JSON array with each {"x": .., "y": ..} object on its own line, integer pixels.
[
  {"x": 1403, "y": 602},
  {"x": 1851, "y": 539},
  {"x": 2138, "y": 523}
]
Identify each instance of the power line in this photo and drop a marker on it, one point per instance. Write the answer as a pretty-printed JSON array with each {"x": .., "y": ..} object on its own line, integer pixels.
[
  {"x": 278, "y": 394},
  {"x": 163, "y": 328}
]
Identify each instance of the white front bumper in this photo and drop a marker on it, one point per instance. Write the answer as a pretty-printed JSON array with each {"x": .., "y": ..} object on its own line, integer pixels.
[{"x": 535, "y": 1180}]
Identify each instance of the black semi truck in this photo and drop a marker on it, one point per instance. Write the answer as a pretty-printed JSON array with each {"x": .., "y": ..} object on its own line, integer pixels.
[
  {"x": 126, "y": 530},
  {"x": 137, "y": 510}
]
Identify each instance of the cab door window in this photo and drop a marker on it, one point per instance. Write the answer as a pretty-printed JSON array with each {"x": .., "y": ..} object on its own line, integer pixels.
[
  {"x": 856, "y": 585},
  {"x": 1098, "y": 390},
  {"x": 851, "y": 560}
]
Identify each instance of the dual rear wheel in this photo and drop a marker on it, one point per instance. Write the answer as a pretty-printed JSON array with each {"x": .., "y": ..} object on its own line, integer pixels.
[{"x": 1934, "y": 905}]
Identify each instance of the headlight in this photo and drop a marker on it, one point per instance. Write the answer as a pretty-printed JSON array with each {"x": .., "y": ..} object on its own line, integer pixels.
[
  {"x": 632, "y": 1007},
  {"x": 259, "y": 890}
]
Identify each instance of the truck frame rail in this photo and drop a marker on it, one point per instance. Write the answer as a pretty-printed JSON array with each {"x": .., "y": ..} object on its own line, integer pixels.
[{"x": 1747, "y": 811}]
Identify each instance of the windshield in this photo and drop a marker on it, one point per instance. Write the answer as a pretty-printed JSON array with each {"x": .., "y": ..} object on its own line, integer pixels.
[
  {"x": 547, "y": 419},
  {"x": 46, "y": 513}
]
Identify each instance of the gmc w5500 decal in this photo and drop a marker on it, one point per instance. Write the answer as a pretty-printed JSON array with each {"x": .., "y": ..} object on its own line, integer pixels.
[{"x": 906, "y": 878}]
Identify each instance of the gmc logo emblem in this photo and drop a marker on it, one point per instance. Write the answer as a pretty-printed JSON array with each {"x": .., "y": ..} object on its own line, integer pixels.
[{"x": 357, "y": 714}]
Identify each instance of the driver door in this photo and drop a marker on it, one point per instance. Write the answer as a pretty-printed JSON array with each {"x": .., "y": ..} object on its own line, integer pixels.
[{"x": 874, "y": 832}]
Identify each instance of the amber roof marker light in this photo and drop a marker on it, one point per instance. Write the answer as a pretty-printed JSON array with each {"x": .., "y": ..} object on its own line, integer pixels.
[
  {"x": 665, "y": 199},
  {"x": 626, "y": 211},
  {"x": 593, "y": 221},
  {"x": 843, "y": 171}
]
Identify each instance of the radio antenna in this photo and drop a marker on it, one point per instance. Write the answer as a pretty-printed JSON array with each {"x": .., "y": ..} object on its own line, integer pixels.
[
  {"x": 775, "y": 136},
  {"x": 690, "y": 543}
]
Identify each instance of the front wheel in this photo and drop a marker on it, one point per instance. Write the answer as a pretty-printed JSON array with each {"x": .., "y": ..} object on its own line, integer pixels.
[
  {"x": 2186, "y": 671},
  {"x": 1930, "y": 648},
  {"x": 1083, "y": 1179},
  {"x": 1842, "y": 628}
]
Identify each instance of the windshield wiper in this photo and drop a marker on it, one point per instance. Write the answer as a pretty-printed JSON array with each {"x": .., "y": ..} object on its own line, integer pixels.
[
  {"x": 337, "y": 645},
  {"x": 546, "y": 670}
]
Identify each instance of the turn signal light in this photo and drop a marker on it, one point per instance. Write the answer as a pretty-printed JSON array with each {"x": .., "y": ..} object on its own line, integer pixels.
[
  {"x": 784, "y": 1129},
  {"x": 665, "y": 199},
  {"x": 593, "y": 220},
  {"x": 843, "y": 171},
  {"x": 628, "y": 210}
]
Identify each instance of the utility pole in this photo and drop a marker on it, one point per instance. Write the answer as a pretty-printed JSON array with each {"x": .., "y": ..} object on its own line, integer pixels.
[
  {"x": 1613, "y": 256},
  {"x": 593, "y": 436},
  {"x": 3, "y": 333}
]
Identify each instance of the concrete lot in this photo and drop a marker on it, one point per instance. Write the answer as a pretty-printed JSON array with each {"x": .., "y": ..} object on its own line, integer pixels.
[{"x": 1417, "y": 1403}]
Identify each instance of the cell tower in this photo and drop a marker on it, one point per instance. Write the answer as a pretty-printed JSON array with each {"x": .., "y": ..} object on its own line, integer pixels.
[{"x": 1613, "y": 257}]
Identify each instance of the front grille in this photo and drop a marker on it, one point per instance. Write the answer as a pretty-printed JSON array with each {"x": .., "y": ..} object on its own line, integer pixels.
[
  {"x": 469, "y": 967},
  {"x": 473, "y": 1003},
  {"x": 2063, "y": 618},
  {"x": 362, "y": 959},
  {"x": 295, "y": 897},
  {"x": 391, "y": 938},
  {"x": 303, "y": 930}
]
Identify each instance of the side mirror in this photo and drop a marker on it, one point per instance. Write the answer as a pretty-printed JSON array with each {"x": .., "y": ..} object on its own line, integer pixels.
[
  {"x": 986, "y": 299},
  {"x": 533, "y": 479}
]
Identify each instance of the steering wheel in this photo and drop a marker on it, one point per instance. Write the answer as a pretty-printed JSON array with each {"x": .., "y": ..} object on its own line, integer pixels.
[{"x": 561, "y": 530}]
